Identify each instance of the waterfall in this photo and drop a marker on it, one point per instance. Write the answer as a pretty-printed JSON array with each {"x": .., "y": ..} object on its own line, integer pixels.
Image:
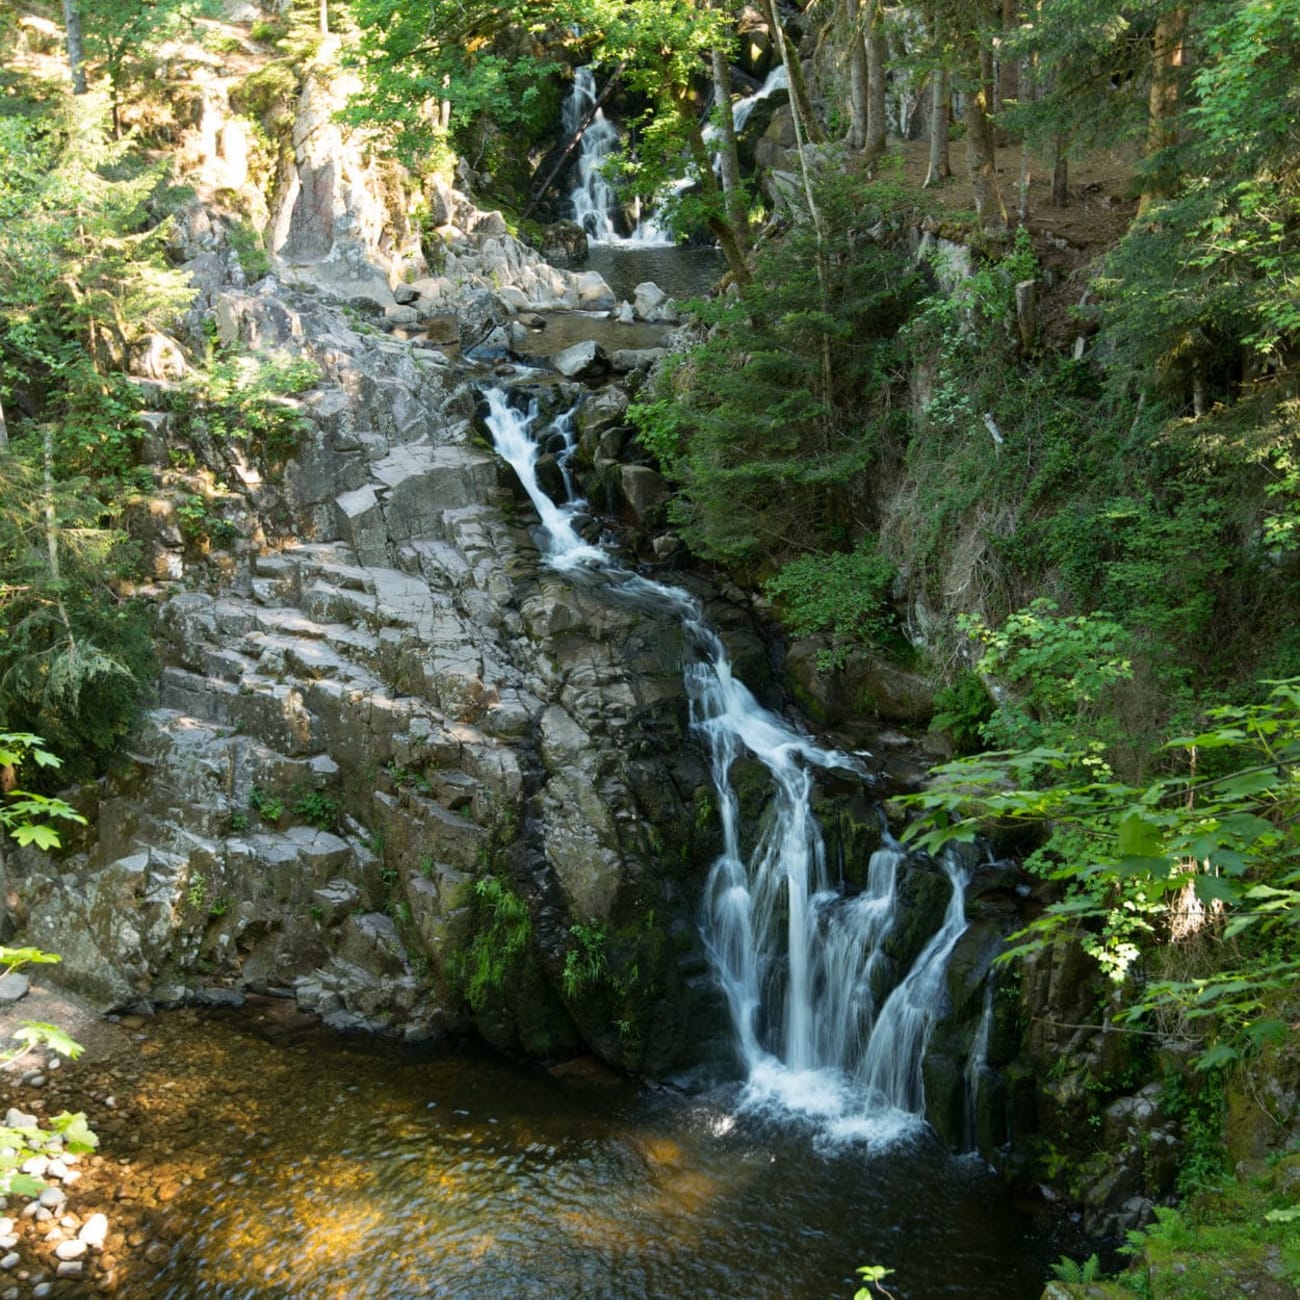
[
  {"x": 891, "y": 1068},
  {"x": 800, "y": 965},
  {"x": 777, "y": 79},
  {"x": 592, "y": 197},
  {"x": 975, "y": 1065}
]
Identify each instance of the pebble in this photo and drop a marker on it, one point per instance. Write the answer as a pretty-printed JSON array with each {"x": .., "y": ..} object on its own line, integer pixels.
[
  {"x": 73, "y": 1249},
  {"x": 36, "y": 1166},
  {"x": 15, "y": 1118},
  {"x": 35, "y": 1080},
  {"x": 156, "y": 1252},
  {"x": 53, "y": 1198},
  {"x": 70, "y": 1268},
  {"x": 94, "y": 1232},
  {"x": 57, "y": 1169},
  {"x": 41, "y": 1290},
  {"x": 11, "y": 1261}
]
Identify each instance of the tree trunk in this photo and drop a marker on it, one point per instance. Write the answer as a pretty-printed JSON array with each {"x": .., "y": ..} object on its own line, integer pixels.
[
  {"x": 800, "y": 105},
  {"x": 733, "y": 192},
  {"x": 72, "y": 27},
  {"x": 4, "y": 430},
  {"x": 731, "y": 242},
  {"x": 1029, "y": 87},
  {"x": 876, "y": 112},
  {"x": 1008, "y": 68},
  {"x": 324, "y": 17},
  {"x": 940, "y": 167},
  {"x": 1166, "y": 65},
  {"x": 857, "y": 52},
  {"x": 981, "y": 159},
  {"x": 1060, "y": 174}
]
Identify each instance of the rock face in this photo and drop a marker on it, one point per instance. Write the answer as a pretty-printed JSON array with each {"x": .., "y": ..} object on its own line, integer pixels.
[{"x": 387, "y": 736}]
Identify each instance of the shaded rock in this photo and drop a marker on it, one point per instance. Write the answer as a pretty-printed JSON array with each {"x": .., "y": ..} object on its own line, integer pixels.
[{"x": 645, "y": 491}]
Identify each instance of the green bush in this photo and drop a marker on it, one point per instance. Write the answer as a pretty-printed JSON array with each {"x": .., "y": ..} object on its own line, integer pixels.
[{"x": 845, "y": 594}]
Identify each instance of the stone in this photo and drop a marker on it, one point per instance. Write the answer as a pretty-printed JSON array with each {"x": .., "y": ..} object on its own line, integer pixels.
[
  {"x": 648, "y": 300},
  {"x": 624, "y": 360},
  {"x": 13, "y": 987},
  {"x": 405, "y": 294},
  {"x": 584, "y": 362},
  {"x": 94, "y": 1232},
  {"x": 73, "y": 1249},
  {"x": 593, "y": 293},
  {"x": 645, "y": 490}
]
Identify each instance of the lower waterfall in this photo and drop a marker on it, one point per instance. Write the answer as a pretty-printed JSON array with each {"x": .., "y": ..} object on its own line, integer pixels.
[{"x": 798, "y": 962}]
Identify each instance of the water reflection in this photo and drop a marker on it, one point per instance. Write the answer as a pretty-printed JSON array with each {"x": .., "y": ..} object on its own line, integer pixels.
[
  {"x": 354, "y": 1175},
  {"x": 681, "y": 273}
]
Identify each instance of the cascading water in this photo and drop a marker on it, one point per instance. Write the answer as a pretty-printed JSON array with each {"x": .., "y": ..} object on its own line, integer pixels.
[
  {"x": 592, "y": 196},
  {"x": 976, "y": 1064},
  {"x": 777, "y": 79},
  {"x": 799, "y": 964}
]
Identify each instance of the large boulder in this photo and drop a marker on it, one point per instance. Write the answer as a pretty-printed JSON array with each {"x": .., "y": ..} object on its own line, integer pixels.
[{"x": 585, "y": 362}]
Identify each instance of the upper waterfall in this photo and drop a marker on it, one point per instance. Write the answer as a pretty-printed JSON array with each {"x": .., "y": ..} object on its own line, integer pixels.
[{"x": 592, "y": 196}]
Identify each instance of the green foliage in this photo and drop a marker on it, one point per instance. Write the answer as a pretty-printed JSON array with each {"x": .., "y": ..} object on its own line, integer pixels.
[
  {"x": 247, "y": 398},
  {"x": 250, "y": 249},
  {"x": 873, "y": 1277},
  {"x": 1055, "y": 672},
  {"x": 27, "y": 817},
  {"x": 12, "y": 959},
  {"x": 1077, "y": 1274},
  {"x": 319, "y": 809},
  {"x": 962, "y": 709},
  {"x": 1145, "y": 869},
  {"x": 1235, "y": 1236},
  {"x": 83, "y": 282},
  {"x": 586, "y": 965},
  {"x": 769, "y": 426},
  {"x": 470, "y": 56},
  {"x": 268, "y": 807},
  {"x": 83, "y": 271},
  {"x": 119, "y": 35},
  {"x": 845, "y": 594},
  {"x": 1208, "y": 283},
  {"x": 1198, "y": 1106},
  {"x": 503, "y": 932},
  {"x": 66, "y": 1132}
]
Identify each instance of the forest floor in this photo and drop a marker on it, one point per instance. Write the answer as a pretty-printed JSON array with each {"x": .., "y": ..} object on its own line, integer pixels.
[{"x": 1067, "y": 241}]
